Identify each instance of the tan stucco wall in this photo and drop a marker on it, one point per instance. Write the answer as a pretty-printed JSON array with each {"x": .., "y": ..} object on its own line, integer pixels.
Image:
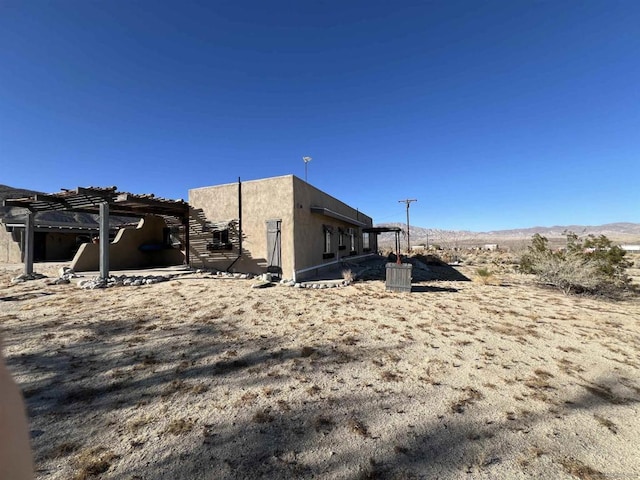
[
  {"x": 286, "y": 198},
  {"x": 9, "y": 249},
  {"x": 309, "y": 231},
  {"x": 57, "y": 247},
  {"x": 124, "y": 251},
  {"x": 262, "y": 200}
]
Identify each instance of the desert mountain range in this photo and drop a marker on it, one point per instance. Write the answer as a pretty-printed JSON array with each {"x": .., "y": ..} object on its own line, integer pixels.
[{"x": 623, "y": 232}]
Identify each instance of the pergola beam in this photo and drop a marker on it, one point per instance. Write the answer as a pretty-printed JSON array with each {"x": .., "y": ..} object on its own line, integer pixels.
[
  {"x": 96, "y": 192},
  {"x": 43, "y": 197}
]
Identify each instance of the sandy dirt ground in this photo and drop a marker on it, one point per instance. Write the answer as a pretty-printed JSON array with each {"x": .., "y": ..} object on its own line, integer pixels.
[{"x": 207, "y": 378}]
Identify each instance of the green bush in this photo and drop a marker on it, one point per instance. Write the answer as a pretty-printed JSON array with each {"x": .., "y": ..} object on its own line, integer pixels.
[
  {"x": 484, "y": 276},
  {"x": 586, "y": 265}
]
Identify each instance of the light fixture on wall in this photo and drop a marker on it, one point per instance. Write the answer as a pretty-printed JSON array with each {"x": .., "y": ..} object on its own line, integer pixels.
[{"x": 306, "y": 160}]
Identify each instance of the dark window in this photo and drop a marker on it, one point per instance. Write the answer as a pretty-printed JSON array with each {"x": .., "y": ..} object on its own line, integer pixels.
[
  {"x": 220, "y": 240},
  {"x": 327, "y": 241},
  {"x": 352, "y": 242},
  {"x": 328, "y": 232}
]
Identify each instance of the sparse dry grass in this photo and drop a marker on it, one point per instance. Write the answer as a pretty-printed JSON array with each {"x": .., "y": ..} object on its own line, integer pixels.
[
  {"x": 63, "y": 450},
  {"x": 348, "y": 275},
  {"x": 579, "y": 470},
  {"x": 340, "y": 383},
  {"x": 92, "y": 462},
  {"x": 263, "y": 416},
  {"x": 358, "y": 427},
  {"x": 323, "y": 424},
  {"x": 484, "y": 276},
  {"x": 471, "y": 396},
  {"x": 180, "y": 426}
]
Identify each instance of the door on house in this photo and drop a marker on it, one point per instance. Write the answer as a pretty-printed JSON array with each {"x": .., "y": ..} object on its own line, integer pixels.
[{"x": 274, "y": 259}]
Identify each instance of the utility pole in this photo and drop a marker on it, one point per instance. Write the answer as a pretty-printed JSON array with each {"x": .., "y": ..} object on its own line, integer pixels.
[{"x": 408, "y": 202}]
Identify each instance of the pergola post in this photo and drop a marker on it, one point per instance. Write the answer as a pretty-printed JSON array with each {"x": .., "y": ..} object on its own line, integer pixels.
[
  {"x": 28, "y": 243},
  {"x": 187, "y": 246},
  {"x": 104, "y": 240}
]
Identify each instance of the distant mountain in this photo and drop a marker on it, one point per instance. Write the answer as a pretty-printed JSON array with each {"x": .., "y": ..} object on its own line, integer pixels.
[
  {"x": 622, "y": 231},
  {"x": 11, "y": 192},
  {"x": 620, "y": 228}
]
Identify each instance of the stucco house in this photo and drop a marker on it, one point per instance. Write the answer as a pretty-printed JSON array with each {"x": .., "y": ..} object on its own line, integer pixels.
[{"x": 281, "y": 225}]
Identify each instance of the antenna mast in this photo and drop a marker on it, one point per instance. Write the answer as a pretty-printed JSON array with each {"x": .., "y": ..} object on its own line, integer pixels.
[{"x": 306, "y": 160}]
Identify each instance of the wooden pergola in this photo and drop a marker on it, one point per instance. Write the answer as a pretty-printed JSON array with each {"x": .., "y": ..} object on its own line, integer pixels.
[{"x": 101, "y": 201}]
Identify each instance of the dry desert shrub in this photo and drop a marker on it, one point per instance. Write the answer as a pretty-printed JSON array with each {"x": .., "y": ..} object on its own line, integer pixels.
[
  {"x": 471, "y": 397},
  {"x": 389, "y": 376},
  {"x": 138, "y": 423},
  {"x": 174, "y": 387},
  {"x": 63, "y": 450},
  {"x": 532, "y": 453},
  {"x": 247, "y": 398},
  {"x": 356, "y": 426},
  {"x": 263, "y": 416},
  {"x": 540, "y": 381},
  {"x": 307, "y": 351},
  {"x": 348, "y": 276},
  {"x": 93, "y": 462},
  {"x": 180, "y": 426},
  {"x": 323, "y": 424},
  {"x": 586, "y": 265},
  {"x": 579, "y": 470},
  {"x": 484, "y": 276}
]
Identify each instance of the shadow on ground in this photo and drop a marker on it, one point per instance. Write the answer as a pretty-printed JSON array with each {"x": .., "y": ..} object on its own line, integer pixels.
[
  {"x": 432, "y": 289},
  {"x": 424, "y": 269}
]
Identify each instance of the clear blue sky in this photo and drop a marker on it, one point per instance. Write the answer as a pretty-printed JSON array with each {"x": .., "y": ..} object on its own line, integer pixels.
[{"x": 493, "y": 114}]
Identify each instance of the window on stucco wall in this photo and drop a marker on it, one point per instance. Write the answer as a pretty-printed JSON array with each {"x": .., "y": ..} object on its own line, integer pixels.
[
  {"x": 352, "y": 240},
  {"x": 341, "y": 245},
  {"x": 328, "y": 232},
  {"x": 220, "y": 240}
]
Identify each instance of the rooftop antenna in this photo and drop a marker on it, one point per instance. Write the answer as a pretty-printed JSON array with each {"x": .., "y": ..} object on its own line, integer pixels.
[
  {"x": 408, "y": 202},
  {"x": 306, "y": 160}
]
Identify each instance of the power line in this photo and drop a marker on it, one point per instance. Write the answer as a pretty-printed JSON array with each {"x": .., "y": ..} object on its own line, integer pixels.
[{"x": 408, "y": 202}]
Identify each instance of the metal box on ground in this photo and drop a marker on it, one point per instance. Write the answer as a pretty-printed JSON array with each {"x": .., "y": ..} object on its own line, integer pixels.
[{"x": 398, "y": 277}]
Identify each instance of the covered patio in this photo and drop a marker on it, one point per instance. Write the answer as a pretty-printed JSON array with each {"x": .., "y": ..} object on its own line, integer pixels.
[
  {"x": 103, "y": 202},
  {"x": 379, "y": 230}
]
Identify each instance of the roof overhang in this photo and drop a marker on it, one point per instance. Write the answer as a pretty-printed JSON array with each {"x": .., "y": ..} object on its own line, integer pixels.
[
  {"x": 382, "y": 229},
  {"x": 338, "y": 216}
]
